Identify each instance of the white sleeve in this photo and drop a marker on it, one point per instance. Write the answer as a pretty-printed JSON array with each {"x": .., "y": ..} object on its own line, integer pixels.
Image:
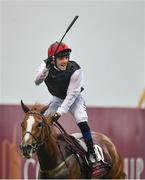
[
  {"x": 41, "y": 74},
  {"x": 74, "y": 89}
]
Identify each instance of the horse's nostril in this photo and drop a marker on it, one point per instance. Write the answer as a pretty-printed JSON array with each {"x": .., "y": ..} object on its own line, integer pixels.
[
  {"x": 29, "y": 147},
  {"x": 26, "y": 147}
]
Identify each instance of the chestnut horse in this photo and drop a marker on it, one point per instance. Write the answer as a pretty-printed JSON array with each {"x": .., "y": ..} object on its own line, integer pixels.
[{"x": 56, "y": 156}]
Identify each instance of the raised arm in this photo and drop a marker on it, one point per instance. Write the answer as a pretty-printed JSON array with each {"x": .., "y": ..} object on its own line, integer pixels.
[{"x": 41, "y": 73}]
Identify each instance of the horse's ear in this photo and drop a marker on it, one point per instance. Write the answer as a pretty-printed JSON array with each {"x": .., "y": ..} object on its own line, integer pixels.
[
  {"x": 24, "y": 107},
  {"x": 42, "y": 111}
]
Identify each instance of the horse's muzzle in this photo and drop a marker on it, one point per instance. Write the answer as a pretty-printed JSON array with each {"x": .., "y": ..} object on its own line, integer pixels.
[{"x": 27, "y": 150}]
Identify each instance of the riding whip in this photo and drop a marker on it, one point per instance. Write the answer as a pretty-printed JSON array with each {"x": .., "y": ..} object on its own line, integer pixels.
[{"x": 71, "y": 24}]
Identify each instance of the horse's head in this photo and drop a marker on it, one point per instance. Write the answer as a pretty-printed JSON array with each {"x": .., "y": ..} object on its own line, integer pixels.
[{"x": 33, "y": 127}]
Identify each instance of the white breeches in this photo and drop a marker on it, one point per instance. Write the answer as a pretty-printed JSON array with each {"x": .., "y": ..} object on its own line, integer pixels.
[{"x": 77, "y": 109}]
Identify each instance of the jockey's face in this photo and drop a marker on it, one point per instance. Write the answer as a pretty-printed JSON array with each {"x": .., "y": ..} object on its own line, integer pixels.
[{"x": 62, "y": 62}]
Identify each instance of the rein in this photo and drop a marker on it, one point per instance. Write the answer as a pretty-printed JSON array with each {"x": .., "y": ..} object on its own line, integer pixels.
[{"x": 75, "y": 147}]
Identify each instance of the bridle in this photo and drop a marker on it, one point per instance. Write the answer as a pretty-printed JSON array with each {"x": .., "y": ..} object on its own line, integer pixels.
[{"x": 40, "y": 140}]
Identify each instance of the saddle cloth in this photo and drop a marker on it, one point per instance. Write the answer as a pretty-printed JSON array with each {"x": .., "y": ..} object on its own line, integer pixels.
[
  {"x": 98, "y": 149},
  {"x": 100, "y": 168}
]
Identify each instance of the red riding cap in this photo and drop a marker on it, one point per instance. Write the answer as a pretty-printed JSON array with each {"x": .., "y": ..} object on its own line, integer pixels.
[{"x": 62, "y": 47}]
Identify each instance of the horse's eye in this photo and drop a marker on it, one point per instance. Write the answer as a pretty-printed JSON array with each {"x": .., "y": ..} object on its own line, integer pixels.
[{"x": 40, "y": 125}]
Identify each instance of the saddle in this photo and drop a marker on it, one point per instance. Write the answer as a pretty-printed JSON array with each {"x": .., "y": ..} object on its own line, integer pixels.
[{"x": 79, "y": 149}]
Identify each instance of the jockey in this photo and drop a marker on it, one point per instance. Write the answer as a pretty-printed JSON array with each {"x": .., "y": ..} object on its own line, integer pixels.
[{"x": 64, "y": 80}]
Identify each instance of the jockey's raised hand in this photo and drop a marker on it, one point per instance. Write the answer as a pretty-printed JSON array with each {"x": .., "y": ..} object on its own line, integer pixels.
[{"x": 49, "y": 62}]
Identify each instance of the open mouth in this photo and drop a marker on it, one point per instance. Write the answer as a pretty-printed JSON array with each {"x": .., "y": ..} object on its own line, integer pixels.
[{"x": 63, "y": 66}]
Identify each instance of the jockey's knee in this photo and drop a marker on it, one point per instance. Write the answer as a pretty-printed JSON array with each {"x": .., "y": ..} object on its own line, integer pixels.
[{"x": 80, "y": 120}]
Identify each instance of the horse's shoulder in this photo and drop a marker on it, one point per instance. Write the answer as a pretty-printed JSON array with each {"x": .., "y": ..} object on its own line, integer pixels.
[{"x": 61, "y": 140}]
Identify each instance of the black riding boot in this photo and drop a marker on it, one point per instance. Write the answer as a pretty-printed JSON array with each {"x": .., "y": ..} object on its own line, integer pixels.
[{"x": 91, "y": 156}]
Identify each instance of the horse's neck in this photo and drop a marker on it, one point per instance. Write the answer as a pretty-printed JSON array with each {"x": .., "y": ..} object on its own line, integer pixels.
[{"x": 48, "y": 154}]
